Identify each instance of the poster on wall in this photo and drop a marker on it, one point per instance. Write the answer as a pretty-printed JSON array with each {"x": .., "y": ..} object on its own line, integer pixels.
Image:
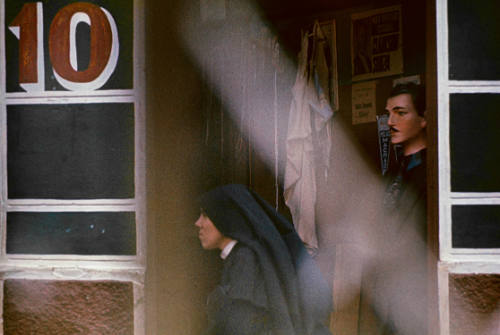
[
  {"x": 376, "y": 43},
  {"x": 364, "y": 102}
]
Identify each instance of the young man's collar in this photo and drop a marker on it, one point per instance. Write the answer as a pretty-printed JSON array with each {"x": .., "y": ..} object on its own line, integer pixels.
[{"x": 415, "y": 159}]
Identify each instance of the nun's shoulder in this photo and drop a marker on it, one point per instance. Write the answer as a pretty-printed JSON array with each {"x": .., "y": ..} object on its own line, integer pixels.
[
  {"x": 242, "y": 253},
  {"x": 241, "y": 265}
]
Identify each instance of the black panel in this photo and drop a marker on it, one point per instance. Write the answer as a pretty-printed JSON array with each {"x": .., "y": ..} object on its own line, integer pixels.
[
  {"x": 474, "y": 140},
  {"x": 476, "y": 226},
  {"x": 82, "y": 42},
  {"x": 121, "y": 11},
  {"x": 474, "y": 51},
  {"x": 95, "y": 233},
  {"x": 74, "y": 151}
]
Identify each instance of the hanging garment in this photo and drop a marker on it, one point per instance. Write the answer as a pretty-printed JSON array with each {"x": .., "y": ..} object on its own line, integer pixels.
[{"x": 308, "y": 137}]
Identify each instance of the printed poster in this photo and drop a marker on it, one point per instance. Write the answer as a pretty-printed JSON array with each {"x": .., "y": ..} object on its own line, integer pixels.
[
  {"x": 376, "y": 43},
  {"x": 364, "y": 102}
]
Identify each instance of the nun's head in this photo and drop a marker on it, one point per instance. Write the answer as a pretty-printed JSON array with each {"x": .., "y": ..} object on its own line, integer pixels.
[
  {"x": 238, "y": 214},
  {"x": 223, "y": 206},
  {"x": 210, "y": 237}
]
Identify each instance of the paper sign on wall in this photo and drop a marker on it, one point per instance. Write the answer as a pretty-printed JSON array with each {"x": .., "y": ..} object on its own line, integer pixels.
[{"x": 363, "y": 102}]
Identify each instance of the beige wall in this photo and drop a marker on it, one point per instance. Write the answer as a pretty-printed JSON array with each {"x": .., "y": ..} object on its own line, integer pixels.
[{"x": 179, "y": 272}]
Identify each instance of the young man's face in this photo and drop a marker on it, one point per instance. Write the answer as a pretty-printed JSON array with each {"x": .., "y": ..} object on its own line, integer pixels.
[
  {"x": 404, "y": 121},
  {"x": 210, "y": 237}
]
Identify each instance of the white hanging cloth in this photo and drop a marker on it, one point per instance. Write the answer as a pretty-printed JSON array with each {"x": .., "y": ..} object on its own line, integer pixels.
[{"x": 308, "y": 137}]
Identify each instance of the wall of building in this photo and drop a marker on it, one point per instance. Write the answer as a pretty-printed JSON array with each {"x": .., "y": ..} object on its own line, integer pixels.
[{"x": 180, "y": 273}]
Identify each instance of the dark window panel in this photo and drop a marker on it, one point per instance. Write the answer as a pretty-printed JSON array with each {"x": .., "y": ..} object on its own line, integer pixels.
[
  {"x": 68, "y": 307},
  {"x": 474, "y": 301},
  {"x": 92, "y": 233},
  {"x": 474, "y": 52},
  {"x": 475, "y": 226},
  {"x": 73, "y": 151},
  {"x": 474, "y": 140}
]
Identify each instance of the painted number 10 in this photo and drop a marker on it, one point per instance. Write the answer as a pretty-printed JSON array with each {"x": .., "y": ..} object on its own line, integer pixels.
[{"x": 104, "y": 46}]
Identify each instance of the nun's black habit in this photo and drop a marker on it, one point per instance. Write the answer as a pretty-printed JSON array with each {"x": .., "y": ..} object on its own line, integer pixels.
[{"x": 269, "y": 284}]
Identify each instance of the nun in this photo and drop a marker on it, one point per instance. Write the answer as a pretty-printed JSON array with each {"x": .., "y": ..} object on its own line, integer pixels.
[{"x": 269, "y": 284}]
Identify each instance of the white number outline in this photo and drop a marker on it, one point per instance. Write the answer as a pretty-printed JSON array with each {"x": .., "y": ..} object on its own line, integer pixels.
[
  {"x": 108, "y": 70},
  {"x": 78, "y": 17}
]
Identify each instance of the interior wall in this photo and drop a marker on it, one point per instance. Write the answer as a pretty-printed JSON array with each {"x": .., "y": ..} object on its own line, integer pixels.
[
  {"x": 179, "y": 272},
  {"x": 414, "y": 57},
  {"x": 351, "y": 198},
  {"x": 365, "y": 159},
  {"x": 347, "y": 200}
]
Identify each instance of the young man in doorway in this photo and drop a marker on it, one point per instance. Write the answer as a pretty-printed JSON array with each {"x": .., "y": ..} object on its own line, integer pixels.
[
  {"x": 406, "y": 108},
  {"x": 397, "y": 278}
]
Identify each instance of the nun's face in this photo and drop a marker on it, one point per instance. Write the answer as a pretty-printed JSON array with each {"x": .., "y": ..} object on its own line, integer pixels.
[{"x": 210, "y": 237}]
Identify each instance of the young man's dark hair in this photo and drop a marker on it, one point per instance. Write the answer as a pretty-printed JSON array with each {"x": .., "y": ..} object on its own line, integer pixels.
[{"x": 417, "y": 93}]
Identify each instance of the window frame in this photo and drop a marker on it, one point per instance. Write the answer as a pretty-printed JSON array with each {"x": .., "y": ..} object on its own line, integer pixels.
[
  {"x": 447, "y": 198},
  {"x": 456, "y": 260},
  {"x": 78, "y": 267}
]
